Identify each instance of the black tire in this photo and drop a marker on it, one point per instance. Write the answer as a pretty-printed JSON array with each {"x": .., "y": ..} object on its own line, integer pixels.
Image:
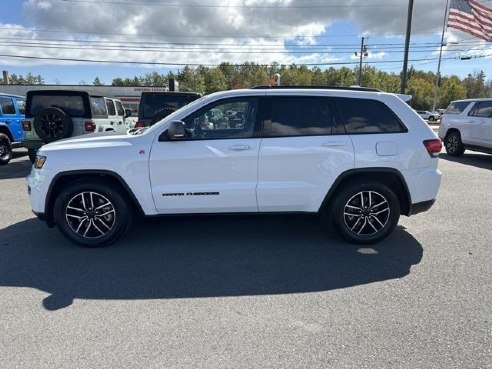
[
  {"x": 32, "y": 154},
  {"x": 5, "y": 149},
  {"x": 52, "y": 124},
  {"x": 92, "y": 213},
  {"x": 365, "y": 213},
  {"x": 431, "y": 118},
  {"x": 453, "y": 144}
]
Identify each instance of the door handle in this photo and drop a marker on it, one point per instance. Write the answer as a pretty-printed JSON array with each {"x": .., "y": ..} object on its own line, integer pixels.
[
  {"x": 239, "y": 147},
  {"x": 7, "y": 122},
  {"x": 333, "y": 143}
]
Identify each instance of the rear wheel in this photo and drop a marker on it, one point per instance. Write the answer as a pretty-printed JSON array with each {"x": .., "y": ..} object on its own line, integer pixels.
[
  {"x": 365, "y": 213},
  {"x": 92, "y": 213},
  {"x": 5, "y": 149},
  {"x": 453, "y": 144}
]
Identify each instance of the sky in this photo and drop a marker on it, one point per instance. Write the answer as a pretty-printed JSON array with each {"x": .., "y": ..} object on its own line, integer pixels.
[{"x": 75, "y": 41}]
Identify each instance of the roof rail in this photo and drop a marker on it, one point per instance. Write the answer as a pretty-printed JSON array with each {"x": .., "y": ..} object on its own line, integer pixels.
[{"x": 356, "y": 88}]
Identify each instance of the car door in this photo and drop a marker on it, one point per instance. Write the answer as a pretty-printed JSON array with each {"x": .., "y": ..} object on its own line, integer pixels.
[
  {"x": 482, "y": 124},
  {"x": 211, "y": 170},
  {"x": 302, "y": 152},
  {"x": 11, "y": 117}
]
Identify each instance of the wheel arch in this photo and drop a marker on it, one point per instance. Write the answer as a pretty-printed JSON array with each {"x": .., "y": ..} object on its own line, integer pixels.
[
  {"x": 387, "y": 176},
  {"x": 66, "y": 178},
  {"x": 6, "y": 131}
]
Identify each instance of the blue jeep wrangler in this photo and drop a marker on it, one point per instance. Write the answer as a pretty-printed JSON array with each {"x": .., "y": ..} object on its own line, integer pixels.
[{"x": 12, "y": 110}]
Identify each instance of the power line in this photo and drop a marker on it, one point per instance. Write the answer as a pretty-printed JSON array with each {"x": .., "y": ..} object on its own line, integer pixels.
[{"x": 198, "y": 64}]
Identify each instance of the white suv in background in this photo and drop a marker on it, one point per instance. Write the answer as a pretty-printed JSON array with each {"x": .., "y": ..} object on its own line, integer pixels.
[
  {"x": 467, "y": 124},
  {"x": 358, "y": 157}
]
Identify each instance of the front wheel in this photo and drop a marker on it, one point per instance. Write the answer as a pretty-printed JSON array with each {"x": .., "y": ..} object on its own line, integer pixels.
[
  {"x": 5, "y": 149},
  {"x": 365, "y": 213},
  {"x": 92, "y": 213}
]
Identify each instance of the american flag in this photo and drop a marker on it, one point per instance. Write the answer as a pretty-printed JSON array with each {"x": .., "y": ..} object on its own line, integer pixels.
[{"x": 471, "y": 17}]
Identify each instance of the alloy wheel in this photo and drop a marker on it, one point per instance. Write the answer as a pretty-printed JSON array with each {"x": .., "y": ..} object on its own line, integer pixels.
[
  {"x": 366, "y": 213},
  {"x": 90, "y": 214}
]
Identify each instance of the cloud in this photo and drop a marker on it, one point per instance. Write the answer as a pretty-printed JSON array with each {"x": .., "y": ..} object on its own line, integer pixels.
[{"x": 262, "y": 31}]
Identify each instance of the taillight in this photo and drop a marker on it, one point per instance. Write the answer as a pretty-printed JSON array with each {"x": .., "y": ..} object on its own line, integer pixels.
[
  {"x": 89, "y": 126},
  {"x": 433, "y": 147},
  {"x": 140, "y": 124},
  {"x": 26, "y": 125}
]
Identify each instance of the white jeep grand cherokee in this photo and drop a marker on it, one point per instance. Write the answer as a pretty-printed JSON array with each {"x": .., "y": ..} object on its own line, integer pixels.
[{"x": 358, "y": 157}]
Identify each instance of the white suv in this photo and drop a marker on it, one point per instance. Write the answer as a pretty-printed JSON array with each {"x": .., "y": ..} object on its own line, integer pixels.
[
  {"x": 467, "y": 124},
  {"x": 360, "y": 158}
]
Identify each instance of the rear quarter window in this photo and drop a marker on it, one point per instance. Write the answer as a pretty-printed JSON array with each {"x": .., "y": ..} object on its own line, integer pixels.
[
  {"x": 368, "y": 116},
  {"x": 456, "y": 107}
]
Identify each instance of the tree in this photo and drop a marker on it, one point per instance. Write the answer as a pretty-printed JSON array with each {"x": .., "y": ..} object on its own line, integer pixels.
[
  {"x": 451, "y": 89},
  {"x": 97, "y": 82}
]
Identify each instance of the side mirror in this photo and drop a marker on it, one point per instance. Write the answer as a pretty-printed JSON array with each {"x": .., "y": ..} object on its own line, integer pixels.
[
  {"x": 128, "y": 113},
  {"x": 176, "y": 130}
]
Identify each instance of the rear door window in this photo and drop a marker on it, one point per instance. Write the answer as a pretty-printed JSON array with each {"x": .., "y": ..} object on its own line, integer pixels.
[
  {"x": 368, "y": 116},
  {"x": 298, "y": 116},
  {"x": 98, "y": 107},
  {"x": 482, "y": 109},
  {"x": 111, "y": 107},
  {"x": 119, "y": 108}
]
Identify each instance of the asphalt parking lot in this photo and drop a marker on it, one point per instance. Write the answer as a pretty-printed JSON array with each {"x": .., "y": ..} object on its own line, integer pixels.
[{"x": 252, "y": 292}]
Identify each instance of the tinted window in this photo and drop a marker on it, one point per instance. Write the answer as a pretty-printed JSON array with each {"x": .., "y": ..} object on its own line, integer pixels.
[
  {"x": 368, "y": 116},
  {"x": 111, "y": 107},
  {"x": 482, "y": 109},
  {"x": 71, "y": 104},
  {"x": 298, "y": 116},
  {"x": 7, "y": 105},
  {"x": 163, "y": 105},
  {"x": 456, "y": 107},
  {"x": 98, "y": 107},
  {"x": 213, "y": 123}
]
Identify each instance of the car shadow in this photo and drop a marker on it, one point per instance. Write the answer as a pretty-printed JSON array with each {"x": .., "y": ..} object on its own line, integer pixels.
[
  {"x": 483, "y": 161},
  {"x": 169, "y": 258},
  {"x": 17, "y": 168}
]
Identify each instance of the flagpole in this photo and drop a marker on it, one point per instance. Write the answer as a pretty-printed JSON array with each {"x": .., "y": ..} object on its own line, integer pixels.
[{"x": 438, "y": 76}]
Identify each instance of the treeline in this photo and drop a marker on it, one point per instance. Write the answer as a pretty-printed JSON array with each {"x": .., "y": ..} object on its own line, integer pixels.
[{"x": 227, "y": 76}]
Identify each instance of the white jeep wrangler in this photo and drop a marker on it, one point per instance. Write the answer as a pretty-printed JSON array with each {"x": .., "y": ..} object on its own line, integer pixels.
[{"x": 52, "y": 115}]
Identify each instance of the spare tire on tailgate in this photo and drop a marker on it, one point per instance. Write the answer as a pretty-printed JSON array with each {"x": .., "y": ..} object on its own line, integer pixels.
[{"x": 52, "y": 124}]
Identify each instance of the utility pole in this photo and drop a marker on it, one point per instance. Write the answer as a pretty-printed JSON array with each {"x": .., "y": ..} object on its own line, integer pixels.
[
  {"x": 363, "y": 52},
  {"x": 407, "y": 46},
  {"x": 438, "y": 75}
]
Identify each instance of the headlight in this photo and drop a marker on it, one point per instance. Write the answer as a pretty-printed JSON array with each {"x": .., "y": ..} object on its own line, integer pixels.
[{"x": 40, "y": 160}]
